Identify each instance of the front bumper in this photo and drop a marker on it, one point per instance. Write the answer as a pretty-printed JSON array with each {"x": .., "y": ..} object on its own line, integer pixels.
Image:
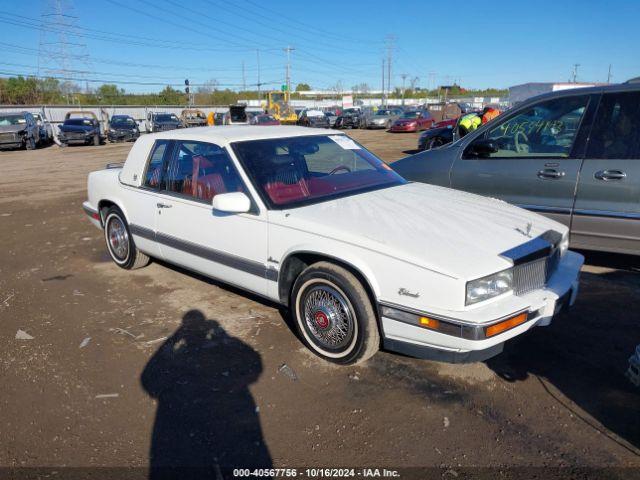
[
  {"x": 93, "y": 214},
  {"x": 471, "y": 345},
  {"x": 122, "y": 136}
]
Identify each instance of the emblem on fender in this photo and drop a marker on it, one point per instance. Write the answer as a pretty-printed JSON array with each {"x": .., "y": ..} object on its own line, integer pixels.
[{"x": 407, "y": 293}]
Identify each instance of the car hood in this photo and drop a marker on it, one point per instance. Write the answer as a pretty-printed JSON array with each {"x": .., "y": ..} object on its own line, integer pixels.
[
  {"x": 455, "y": 233},
  {"x": 380, "y": 117},
  {"x": 12, "y": 128}
]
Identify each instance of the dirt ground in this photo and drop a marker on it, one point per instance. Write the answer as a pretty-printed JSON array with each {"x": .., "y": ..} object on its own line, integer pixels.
[{"x": 160, "y": 366}]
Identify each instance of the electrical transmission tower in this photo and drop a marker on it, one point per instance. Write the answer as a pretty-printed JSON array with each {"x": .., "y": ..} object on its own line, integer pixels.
[{"x": 61, "y": 51}]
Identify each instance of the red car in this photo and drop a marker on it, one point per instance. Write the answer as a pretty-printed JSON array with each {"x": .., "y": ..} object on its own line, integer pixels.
[
  {"x": 413, "y": 121},
  {"x": 264, "y": 119}
]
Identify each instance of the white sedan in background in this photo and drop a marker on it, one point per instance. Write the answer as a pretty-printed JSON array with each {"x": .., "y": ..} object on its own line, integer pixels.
[{"x": 313, "y": 221}]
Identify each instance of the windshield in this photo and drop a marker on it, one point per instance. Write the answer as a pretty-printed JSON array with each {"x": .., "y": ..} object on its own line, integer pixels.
[
  {"x": 383, "y": 112},
  {"x": 297, "y": 171},
  {"x": 166, "y": 117},
  {"x": 123, "y": 122},
  {"x": 351, "y": 110},
  {"x": 410, "y": 115},
  {"x": 77, "y": 121},
  {"x": 11, "y": 120}
]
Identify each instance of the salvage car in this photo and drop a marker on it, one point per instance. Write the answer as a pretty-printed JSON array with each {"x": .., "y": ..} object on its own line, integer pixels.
[
  {"x": 440, "y": 133},
  {"x": 80, "y": 131},
  {"x": 19, "y": 130},
  {"x": 122, "y": 128},
  {"x": 350, "y": 118},
  {"x": 45, "y": 129},
  {"x": 383, "y": 118},
  {"x": 237, "y": 115},
  {"x": 193, "y": 117},
  {"x": 572, "y": 155},
  {"x": 161, "y": 122},
  {"x": 264, "y": 119},
  {"x": 412, "y": 121},
  {"x": 313, "y": 118},
  {"x": 313, "y": 221}
]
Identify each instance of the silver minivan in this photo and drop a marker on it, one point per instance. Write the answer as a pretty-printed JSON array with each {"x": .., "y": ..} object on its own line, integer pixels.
[{"x": 572, "y": 155}]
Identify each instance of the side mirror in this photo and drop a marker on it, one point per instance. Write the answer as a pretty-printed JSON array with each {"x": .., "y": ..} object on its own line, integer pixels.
[
  {"x": 234, "y": 202},
  {"x": 482, "y": 148}
]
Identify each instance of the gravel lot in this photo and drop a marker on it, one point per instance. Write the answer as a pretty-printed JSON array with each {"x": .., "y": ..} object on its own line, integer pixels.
[{"x": 160, "y": 365}]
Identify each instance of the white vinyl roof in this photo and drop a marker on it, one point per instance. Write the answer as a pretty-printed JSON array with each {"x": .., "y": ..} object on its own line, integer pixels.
[{"x": 225, "y": 134}]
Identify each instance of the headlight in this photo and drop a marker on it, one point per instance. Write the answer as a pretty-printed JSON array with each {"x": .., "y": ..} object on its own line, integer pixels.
[
  {"x": 488, "y": 287},
  {"x": 564, "y": 243}
]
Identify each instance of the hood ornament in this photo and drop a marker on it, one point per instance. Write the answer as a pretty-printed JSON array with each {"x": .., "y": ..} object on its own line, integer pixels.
[{"x": 526, "y": 231}]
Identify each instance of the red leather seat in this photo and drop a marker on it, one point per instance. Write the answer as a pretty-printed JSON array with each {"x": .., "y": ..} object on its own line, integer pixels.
[{"x": 206, "y": 179}]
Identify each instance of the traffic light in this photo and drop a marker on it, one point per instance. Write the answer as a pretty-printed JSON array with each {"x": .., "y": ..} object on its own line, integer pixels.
[{"x": 186, "y": 88}]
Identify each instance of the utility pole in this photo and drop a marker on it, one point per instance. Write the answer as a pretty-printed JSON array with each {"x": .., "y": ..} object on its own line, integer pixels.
[
  {"x": 258, "y": 57},
  {"x": 609, "y": 75},
  {"x": 384, "y": 103},
  {"x": 289, "y": 49},
  {"x": 404, "y": 77},
  {"x": 244, "y": 79},
  {"x": 390, "y": 40},
  {"x": 574, "y": 75}
]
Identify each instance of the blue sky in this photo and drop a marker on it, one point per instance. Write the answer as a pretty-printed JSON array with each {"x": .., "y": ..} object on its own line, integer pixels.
[{"x": 481, "y": 44}]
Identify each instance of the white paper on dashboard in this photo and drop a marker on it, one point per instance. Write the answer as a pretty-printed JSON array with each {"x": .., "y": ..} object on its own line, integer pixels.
[{"x": 345, "y": 142}]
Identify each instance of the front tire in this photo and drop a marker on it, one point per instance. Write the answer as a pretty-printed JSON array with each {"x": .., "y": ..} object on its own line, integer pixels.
[
  {"x": 333, "y": 314},
  {"x": 120, "y": 244},
  {"x": 30, "y": 143},
  {"x": 96, "y": 140}
]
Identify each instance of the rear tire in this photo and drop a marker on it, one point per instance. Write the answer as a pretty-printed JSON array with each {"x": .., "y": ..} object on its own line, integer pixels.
[
  {"x": 120, "y": 244},
  {"x": 333, "y": 314}
]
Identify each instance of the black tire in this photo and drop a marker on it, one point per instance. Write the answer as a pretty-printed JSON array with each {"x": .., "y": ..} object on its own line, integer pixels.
[
  {"x": 120, "y": 244},
  {"x": 96, "y": 140},
  {"x": 30, "y": 143},
  {"x": 328, "y": 299},
  {"x": 435, "y": 142}
]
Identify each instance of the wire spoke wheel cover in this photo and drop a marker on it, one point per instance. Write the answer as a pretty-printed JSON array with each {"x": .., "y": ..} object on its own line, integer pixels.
[
  {"x": 117, "y": 238},
  {"x": 328, "y": 317}
]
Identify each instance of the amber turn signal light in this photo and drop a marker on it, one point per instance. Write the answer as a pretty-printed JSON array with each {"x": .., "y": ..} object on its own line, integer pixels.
[
  {"x": 431, "y": 323},
  {"x": 505, "y": 325}
]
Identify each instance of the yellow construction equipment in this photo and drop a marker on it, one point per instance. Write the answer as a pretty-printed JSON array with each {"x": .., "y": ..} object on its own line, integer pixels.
[{"x": 278, "y": 105}]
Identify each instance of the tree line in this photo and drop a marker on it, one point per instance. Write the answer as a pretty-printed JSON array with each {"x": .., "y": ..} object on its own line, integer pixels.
[{"x": 50, "y": 91}]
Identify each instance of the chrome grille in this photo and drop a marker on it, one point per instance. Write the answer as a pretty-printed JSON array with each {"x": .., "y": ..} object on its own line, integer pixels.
[
  {"x": 535, "y": 274},
  {"x": 8, "y": 137}
]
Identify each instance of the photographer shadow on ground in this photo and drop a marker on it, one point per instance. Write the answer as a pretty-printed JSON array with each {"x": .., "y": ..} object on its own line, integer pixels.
[{"x": 206, "y": 420}]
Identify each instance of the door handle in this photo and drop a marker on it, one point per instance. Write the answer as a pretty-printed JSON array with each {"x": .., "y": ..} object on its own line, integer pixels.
[
  {"x": 607, "y": 175},
  {"x": 550, "y": 173},
  {"x": 163, "y": 205}
]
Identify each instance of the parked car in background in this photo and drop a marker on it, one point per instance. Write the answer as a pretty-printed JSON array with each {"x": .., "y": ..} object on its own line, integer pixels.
[
  {"x": 80, "y": 131},
  {"x": 313, "y": 118},
  {"x": 331, "y": 117},
  {"x": 45, "y": 129},
  {"x": 19, "y": 130},
  {"x": 264, "y": 119},
  {"x": 412, "y": 121},
  {"x": 161, "y": 122},
  {"x": 382, "y": 118},
  {"x": 237, "y": 115},
  {"x": 122, "y": 128},
  {"x": 193, "y": 117},
  {"x": 350, "y": 118},
  {"x": 440, "y": 133},
  {"x": 363, "y": 259},
  {"x": 572, "y": 155}
]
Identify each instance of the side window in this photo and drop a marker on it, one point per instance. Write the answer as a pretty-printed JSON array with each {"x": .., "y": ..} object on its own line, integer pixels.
[
  {"x": 547, "y": 129},
  {"x": 615, "y": 132},
  {"x": 201, "y": 171},
  {"x": 154, "y": 169}
]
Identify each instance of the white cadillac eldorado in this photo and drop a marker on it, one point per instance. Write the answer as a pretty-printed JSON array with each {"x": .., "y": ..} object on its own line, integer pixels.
[{"x": 311, "y": 220}]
